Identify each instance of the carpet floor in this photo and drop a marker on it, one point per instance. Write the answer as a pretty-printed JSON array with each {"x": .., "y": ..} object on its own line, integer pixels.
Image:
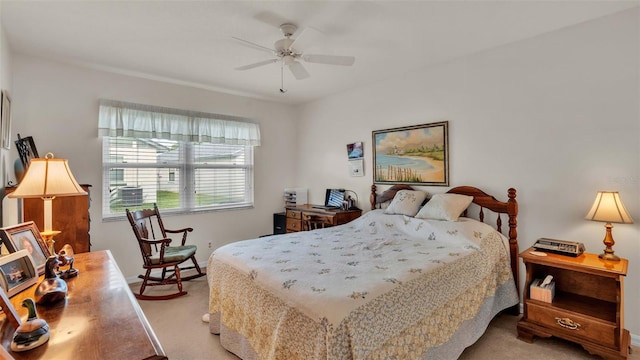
[{"x": 178, "y": 325}]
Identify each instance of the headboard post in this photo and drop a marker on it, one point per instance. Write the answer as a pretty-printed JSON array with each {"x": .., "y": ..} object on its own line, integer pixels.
[
  {"x": 512, "y": 211},
  {"x": 372, "y": 197}
]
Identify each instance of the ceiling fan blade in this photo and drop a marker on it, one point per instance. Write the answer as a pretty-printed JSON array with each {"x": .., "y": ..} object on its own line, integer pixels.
[
  {"x": 329, "y": 59},
  {"x": 254, "y": 45},
  {"x": 255, "y": 65},
  {"x": 306, "y": 39},
  {"x": 298, "y": 71}
]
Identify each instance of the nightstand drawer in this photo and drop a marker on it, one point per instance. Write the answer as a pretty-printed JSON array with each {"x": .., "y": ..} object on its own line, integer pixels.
[{"x": 572, "y": 324}]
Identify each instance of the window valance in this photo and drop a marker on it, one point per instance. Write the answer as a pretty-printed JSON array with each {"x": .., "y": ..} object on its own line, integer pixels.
[{"x": 124, "y": 119}]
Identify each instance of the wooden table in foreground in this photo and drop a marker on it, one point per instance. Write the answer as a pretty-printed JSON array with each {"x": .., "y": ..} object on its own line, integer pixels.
[{"x": 100, "y": 319}]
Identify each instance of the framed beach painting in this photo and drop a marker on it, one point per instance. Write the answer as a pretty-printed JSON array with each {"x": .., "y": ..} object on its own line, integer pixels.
[{"x": 417, "y": 154}]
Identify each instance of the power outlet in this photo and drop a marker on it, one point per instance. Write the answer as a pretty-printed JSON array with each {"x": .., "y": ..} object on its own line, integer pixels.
[{"x": 209, "y": 244}]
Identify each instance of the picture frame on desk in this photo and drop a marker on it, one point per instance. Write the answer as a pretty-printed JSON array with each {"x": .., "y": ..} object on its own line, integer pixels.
[
  {"x": 26, "y": 236},
  {"x": 9, "y": 312},
  {"x": 18, "y": 272}
]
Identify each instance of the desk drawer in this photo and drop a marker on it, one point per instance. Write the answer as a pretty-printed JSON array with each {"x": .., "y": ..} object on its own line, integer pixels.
[
  {"x": 596, "y": 330},
  {"x": 294, "y": 214},
  {"x": 293, "y": 224}
]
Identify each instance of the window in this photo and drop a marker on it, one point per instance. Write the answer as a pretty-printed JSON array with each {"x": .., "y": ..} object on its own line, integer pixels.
[
  {"x": 178, "y": 176},
  {"x": 180, "y": 169}
]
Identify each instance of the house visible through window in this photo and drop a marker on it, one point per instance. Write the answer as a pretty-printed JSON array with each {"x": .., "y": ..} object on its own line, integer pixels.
[
  {"x": 212, "y": 172},
  {"x": 180, "y": 176}
]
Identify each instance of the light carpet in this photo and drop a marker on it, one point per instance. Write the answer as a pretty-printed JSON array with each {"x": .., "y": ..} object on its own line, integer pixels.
[{"x": 184, "y": 336}]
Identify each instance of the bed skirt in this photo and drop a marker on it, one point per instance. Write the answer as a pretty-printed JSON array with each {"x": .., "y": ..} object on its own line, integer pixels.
[{"x": 466, "y": 335}]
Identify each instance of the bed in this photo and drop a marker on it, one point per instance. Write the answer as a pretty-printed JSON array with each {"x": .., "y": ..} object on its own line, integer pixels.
[{"x": 386, "y": 285}]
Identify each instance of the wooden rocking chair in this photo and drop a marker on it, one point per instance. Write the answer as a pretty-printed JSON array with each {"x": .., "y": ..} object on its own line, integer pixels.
[{"x": 158, "y": 254}]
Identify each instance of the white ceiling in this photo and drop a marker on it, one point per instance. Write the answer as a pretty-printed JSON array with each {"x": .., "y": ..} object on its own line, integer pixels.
[{"x": 190, "y": 42}]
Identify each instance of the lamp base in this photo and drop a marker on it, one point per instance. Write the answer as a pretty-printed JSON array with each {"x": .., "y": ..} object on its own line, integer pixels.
[
  {"x": 48, "y": 238},
  {"x": 608, "y": 243},
  {"x": 609, "y": 256}
]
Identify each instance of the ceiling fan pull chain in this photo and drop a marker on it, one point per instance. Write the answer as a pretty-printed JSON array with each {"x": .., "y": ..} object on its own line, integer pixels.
[{"x": 282, "y": 89}]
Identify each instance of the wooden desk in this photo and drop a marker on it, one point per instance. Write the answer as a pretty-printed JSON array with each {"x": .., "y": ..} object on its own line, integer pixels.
[
  {"x": 331, "y": 217},
  {"x": 100, "y": 319}
]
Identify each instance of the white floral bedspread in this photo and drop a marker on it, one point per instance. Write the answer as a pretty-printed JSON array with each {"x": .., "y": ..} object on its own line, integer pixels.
[{"x": 360, "y": 275}]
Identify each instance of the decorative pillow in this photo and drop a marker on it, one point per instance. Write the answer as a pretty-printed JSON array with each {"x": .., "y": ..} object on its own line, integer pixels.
[
  {"x": 406, "y": 202},
  {"x": 445, "y": 207}
]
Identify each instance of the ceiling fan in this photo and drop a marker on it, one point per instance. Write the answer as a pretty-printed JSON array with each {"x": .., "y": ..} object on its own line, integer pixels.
[{"x": 290, "y": 52}]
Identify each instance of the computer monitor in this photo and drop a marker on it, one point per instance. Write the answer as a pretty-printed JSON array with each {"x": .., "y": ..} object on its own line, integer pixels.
[{"x": 334, "y": 198}]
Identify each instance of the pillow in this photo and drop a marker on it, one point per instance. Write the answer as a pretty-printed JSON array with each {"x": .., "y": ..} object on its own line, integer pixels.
[
  {"x": 406, "y": 202},
  {"x": 445, "y": 207}
]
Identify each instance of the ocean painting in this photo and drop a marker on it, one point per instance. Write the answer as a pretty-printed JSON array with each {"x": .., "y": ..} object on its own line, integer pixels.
[{"x": 412, "y": 155}]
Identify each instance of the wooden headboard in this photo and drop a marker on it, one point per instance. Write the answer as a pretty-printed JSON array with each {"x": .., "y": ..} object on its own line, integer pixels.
[{"x": 484, "y": 201}]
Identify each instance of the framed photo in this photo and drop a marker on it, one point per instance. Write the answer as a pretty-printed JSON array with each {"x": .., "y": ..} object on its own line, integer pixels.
[
  {"x": 5, "y": 126},
  {"x": 355, "y": 151},
  {"x": 17, "y": 271},
  {"x": 26, "y": 149},
  {"x": 26, "y": 236},
  {"x": 417, "y": 154},
  {"x": 9, "y": 311}
]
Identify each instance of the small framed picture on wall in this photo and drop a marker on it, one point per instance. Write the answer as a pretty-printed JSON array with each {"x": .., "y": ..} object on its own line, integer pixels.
[{"x": 5, "y": 126}]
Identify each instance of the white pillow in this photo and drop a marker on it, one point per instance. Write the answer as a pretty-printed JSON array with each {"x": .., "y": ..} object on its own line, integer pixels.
[
  {"x": 406, "y": 202},
  {"x": 445, "y": 207}
]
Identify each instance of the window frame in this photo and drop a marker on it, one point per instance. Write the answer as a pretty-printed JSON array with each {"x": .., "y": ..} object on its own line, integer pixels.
[{"x": 185, "y": 179}]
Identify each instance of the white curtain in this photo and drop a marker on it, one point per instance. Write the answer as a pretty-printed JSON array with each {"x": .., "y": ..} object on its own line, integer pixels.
[{"x": 124, "y": 119}]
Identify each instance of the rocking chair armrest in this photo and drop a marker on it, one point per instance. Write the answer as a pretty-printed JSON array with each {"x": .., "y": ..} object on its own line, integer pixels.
[{"x": 178, "y": 231}]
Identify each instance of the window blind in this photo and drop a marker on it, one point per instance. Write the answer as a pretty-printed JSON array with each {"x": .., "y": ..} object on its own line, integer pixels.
[{"x": 178, "y": 175}]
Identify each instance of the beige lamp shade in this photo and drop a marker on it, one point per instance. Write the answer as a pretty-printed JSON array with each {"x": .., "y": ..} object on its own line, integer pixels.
[
  {"x": 47, "y": 177},
  {"x": 608, "y": 207}
]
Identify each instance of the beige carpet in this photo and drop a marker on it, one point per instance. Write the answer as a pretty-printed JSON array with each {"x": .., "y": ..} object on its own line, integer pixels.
[{"x": 179, "y": 327}]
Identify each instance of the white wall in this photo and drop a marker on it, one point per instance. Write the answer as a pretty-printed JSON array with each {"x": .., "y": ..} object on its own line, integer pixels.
[
  {"x": 6, "y": 80},
  {"x": 555, "y": 116},
  {"x": 57, "y": 104}
]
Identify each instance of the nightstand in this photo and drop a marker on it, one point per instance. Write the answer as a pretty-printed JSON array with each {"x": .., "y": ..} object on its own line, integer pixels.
[{"x": 588, "y": 307}]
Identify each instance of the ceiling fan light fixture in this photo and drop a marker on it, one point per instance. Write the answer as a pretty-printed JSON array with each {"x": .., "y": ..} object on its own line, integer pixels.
[
  {"x": 283, "y": 44},
  {"x": 288, "y": 60}
]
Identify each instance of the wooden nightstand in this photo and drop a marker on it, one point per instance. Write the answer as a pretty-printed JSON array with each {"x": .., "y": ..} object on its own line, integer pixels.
[{"x": 588, "y": 307}]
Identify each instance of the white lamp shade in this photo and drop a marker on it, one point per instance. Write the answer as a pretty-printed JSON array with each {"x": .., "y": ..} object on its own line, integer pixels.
[
  {"x": 608, "y": 207},
  {"x": 47, "y": 177}
]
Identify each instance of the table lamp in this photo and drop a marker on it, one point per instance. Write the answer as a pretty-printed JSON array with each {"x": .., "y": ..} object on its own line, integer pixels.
[
  {"x": 608, "y": 207},
  {"x": 47, "y": 178}
]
